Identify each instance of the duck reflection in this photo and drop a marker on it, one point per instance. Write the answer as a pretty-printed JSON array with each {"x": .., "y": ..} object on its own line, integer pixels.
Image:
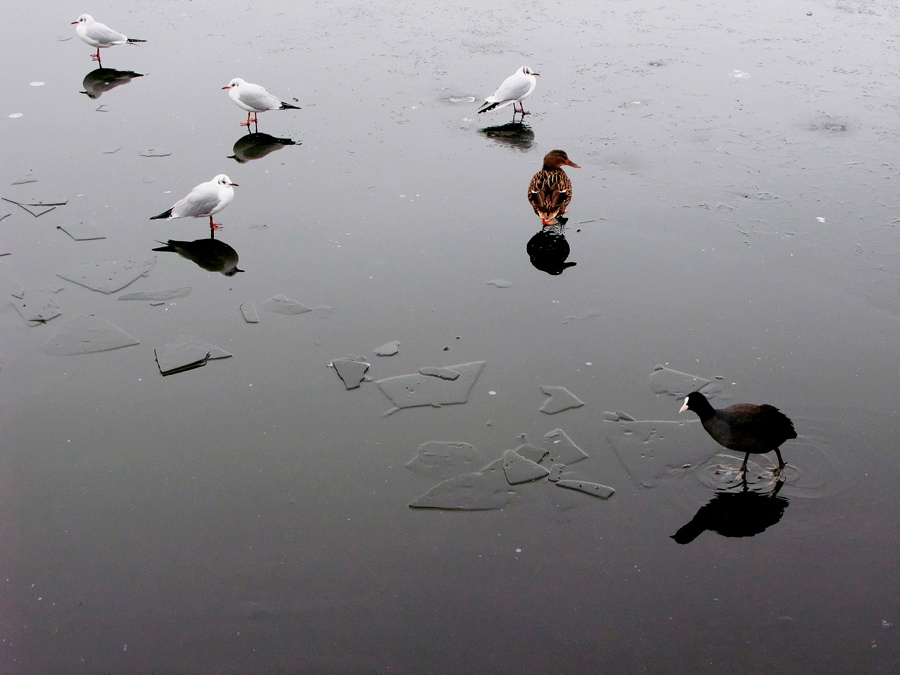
[
  {"x": 103, "y": 79},
  {"x": 735, "y": 514},
  {"x": 257, "y": 146},
  {"x": 514, "y": 134},
  {"x": 210, "y": 254},
  {"x": 548, "y": 249},
  {"x": 550, "y": 189}
]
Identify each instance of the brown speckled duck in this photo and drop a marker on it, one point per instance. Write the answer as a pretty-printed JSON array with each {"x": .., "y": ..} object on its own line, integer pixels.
[{"x": 550, "y": 190}]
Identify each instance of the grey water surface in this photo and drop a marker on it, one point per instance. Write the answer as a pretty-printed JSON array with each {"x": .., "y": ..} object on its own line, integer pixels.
[{"x": 733, "y": 222}]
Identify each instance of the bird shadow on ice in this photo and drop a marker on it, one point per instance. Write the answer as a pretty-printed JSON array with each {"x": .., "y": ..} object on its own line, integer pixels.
[
  {"x": 514, "y": 135},
  {"x": 101, "y": 80},
  {"x": 210, "y": 253},
  {"x": 548, "y": 250},
  {"x": 255, "y": 145}
]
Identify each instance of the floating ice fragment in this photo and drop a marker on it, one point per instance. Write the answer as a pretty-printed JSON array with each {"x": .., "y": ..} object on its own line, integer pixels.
[
  {"x": 532, "y": 452},
  {"x": 593, "y": 489},
  {"x": 443, "y": 373},
  {"x": 155, "y": 152},
  {"x": 87, "y": 334},
  {"x": 109, "y": 276},
  {"x": 186, "y": 353},
  {"x": 15, "y": 115},
  {"x": 675, "y": 383},
  {"x": 739, "y": 74},
  {"x": 560, "y": 399},
  {"x": 625, "y": 417},
  {"x": 249, "y": 312},
  {"x": 556, "y": 472},
  {"x": 445, "y": 459},
  {"x": 408, "y": 391},
  {"x": 37, "y": 304},
  {"x": 561, "y": 449},
  {"x": 482, "y": 490},
  {"x": 82, "y": 231},
  {"x": 652, "y": 451},
  {"x": 281, "y": 304},
  {"x": 36, "y": 84},
  {"x": 518, "y": 469},
  {"x": 500, "y": 283},
  {"x": 158, "y": 296},
  {"x": 351, "y": 370},
  {"x": 387, "y": 349}
]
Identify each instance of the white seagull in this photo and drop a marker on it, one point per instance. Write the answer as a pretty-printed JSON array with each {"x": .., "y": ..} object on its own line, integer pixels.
[
  {"x": 254, "y": 99},
  {"x": 204, "y": 200},
  {"x": 99, "y": 35},
  {"x": 517, "y": 86}
]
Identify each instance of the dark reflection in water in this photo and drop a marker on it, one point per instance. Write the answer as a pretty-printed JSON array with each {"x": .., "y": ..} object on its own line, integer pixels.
[
  {"x": 103, "y": 79},
  {"x": 257, "y": 146},
  {"x": 548, "y": 249},
  {"x": 735, "y": 514},
  {"x": 210, "y": 254},
  {"x": 514, "y": 134}
]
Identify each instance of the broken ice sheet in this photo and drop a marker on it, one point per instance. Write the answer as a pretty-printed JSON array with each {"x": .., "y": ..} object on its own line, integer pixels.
[
  {"x": 561, "y": 449},
  {"x": 445, "y": 459},
  {"x": 155, "y": 152},
  {"x": 351, "y": 370},
  {"x": 158, "y": 296},
  {"x": 675, "y": 383},
  {"x": 281, "y": 304},
  {"x": 409, "y": 391},
  {"x": 249, "y": 312},
  {"x": 481, "y": 490},
  {"x": 652, "y": 451},
  {"x": 560, "y": 399},
  {"x": 109, "y": 276},
  {"x": 82, "y": 231},
  {"x": 532, "y": 452},
  {"x": 388, "y": 348},
  {"x": 37, "y": 304},
  {"x": 87, "y": 334},
  {"x": 593, "y": 489},
  {"x": 518, "y": 469},
  {"x": 185, "y": 353}
]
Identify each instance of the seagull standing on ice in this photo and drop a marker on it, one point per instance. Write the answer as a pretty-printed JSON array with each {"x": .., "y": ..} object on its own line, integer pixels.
[
  {"x": 204, "y": 200},
  {"x": 99, "y": 35},
  {"x": 517, "y": 86},
  {"x": 254, "y": 99}
]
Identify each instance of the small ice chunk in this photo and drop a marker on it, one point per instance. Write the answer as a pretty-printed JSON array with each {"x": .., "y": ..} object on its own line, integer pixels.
[
  {"x": 83, "y": 231},
  {"x": 158, "y": 296},
  {"x": 351, "y": 370},
  {"x": 560, "y": 399},
  {"x": 109, "y": 276},
  {"x": 249, "y": 312},
  {"x": 281, "y": 304},
  {"x": 186, "y": 353},
  {"x": 623, "y": 416},
  {"x": 556, "y": 472},
  {"x": 500, "y": 283},
  {"x": 561, "y": 449},
  {"x": 155, "y": 152},
  {"x": 443, "y": 373},
  {"x": 408, "y": 391},
  {"x": 593, "y": 489},
  {"x": 445, "y": 459},
  {"x": 532, "y": 452},
  {"x": 388, "y": 348},
  {"x": 87, "y": 334},
  {"x": 518, "y": 469},
  {"x": 609, "y": 416}
]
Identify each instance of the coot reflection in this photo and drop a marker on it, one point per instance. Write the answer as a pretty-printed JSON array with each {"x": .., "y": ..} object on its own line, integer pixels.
[
  {"x": 101, "y": 80},
  {"x": 735, "y": 514},
  {"x": 257, "y": 146},
  {"x": 548, "y": 249},
  {"x": 211, "y": 254}
]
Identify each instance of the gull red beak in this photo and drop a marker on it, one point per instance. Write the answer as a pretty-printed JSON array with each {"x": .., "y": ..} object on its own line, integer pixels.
[
  {"x": 234, "y": 185},
  {"x": 227, "y": 86},
  {"x": 73, "y": 23}
]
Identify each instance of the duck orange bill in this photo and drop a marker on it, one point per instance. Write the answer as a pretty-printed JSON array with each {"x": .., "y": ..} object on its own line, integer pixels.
[{"x": 569, "y": 162}]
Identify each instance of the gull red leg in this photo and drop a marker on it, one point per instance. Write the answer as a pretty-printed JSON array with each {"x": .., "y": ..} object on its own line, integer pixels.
[
  {"x": 213, "y": 226},
  {"x": 247, "y": 123}
]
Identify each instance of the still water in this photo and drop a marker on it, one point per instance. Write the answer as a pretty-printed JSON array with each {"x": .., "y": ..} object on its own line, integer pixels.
[{"x": 733, "y": 221}]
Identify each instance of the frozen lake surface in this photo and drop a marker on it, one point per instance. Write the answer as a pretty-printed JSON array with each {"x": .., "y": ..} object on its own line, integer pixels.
[{"x": 501, "y": 490}]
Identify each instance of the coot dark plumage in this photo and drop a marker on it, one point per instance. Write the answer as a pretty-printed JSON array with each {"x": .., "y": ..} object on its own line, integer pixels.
[{"x": 744, "y": 427}]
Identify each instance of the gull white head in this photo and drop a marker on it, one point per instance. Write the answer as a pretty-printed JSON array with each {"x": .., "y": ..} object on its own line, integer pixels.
[
  {"x": 234, "y": 84},
  {"x": 528, "y": 71},
  {"x": 84, "y": 18},
  {"x": 224, "y": 181}
]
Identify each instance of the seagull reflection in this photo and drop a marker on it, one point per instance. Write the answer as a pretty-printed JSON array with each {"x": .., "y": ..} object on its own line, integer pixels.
[
  {"x": 548, "y": 249},
  {"x": 103, "y": 79},
  {"x": 514, "y": 134},
  {"x": 735, "y": 514},
  {"x": 210, "y": 254},
  {"x": 257, "y": 146}
]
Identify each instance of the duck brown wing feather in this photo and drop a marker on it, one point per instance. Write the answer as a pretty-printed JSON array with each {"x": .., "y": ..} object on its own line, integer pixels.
[{"x": 550, "y": 192}]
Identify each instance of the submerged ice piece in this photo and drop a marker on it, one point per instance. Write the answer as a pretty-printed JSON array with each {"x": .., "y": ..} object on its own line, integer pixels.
[
  {"x": 86, "y": 334},
  {"x": 675, "y": 383},
  {"x": 351, "y": 370},
  {"x": 109, "y": 276},
  {"x": 423, "y": 388},
  {"x": 445, "y": 459},
  {"x": 481, "y": 490}
]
